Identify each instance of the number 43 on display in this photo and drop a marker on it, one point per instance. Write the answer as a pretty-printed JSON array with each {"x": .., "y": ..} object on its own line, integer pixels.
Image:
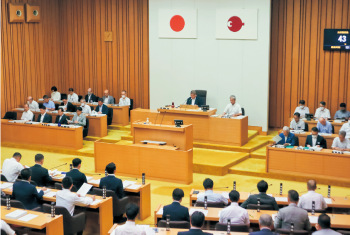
[{"x": 342, "y": 38}]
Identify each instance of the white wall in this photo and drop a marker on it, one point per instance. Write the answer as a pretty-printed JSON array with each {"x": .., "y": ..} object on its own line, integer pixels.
[{"x": 222, "y": 67}]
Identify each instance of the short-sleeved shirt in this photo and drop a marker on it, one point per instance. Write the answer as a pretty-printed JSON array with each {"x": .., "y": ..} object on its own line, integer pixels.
[
  {"x": 297, "y": 125},
  {"x": 11, "y": 169},
  {"x": 302, "y": 111},
  {"x": 338, "y": 144},
  {"x": 324, "y": 128},
  {"x": 322, "y": 113},
  {"x": 341, "y": 114},
  {"x": 233, "y": 109},
  {"x": 235, "y": 213},
  {"x": 49, "y": 105},
  {"x": 124, "y": 102},
  {"x": 211, "y": 197}
]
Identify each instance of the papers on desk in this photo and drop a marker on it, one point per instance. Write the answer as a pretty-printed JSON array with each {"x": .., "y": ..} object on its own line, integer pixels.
[
  {"x": 324, "y": 134},
  {"x": 225, "y": 195},
  {"x": 192, "y": 210},
  {"x": 160, "y": 212},
  {"x": 84, "y": 189},
  {"x": 313, "y": 219},
  {"x": 219, "y": 214},
  {"x": 134, "y": 186},
  {"x": 88, "y": 178},
  {"x": 6, "y": 185},
  {"x": 238, "y": 117},
  {"x": 274, "y": 216},
  {"x": 50, "y": 194},
  {"x": 94, "y": 181},
  {"x": 55, "y": 172},
  {"x": 194, "y": 110},
  {"x": 214, "y": 115},
  {"x": 41, "y": 99},
  {"x": 281, "y": 199},
  {"x": 277, "y": 138},
  {"x": 297, "y": 131},
  {"x": 328, "y": 200},
  {"x": 97, "y": 201},
  {"x": 54, "y": 111},
  {"x": 32, "y": 122},
  {"x": 28, "y": 217},
  {"x": 316, "y": 148},
  {"x": 339, "y": 121},
  {"x": 127, "y": 183},
  {"x": 45, "y": 192},
  {"x": 16, "y": 214}
]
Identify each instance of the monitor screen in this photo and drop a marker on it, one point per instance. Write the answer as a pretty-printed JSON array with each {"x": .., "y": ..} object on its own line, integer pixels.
[{"x": 336, "y": 40}]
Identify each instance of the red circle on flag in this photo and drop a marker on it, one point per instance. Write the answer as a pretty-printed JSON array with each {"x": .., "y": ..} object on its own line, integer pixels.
[
  {"x": 235, "y": 24},
  {"x": 177, "y": 23}
]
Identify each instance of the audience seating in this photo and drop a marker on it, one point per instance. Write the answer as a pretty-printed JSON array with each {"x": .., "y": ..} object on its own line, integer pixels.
[
  {"x": 3, "y": 178},
  {"x": 343, "y": 232},
  {"x": 60, "y": 187},
  {"x": 86, "y": 128},
  {"x": 262, "y": 207},
  {"x": 234, "y": 227},
  {"x": 131, "y": 105},
  {"x": 203, "y": 95},
  {"x": 296, "y": 140},
  {"x": 210, "y": 204},
  {"x": 109, "y": 116},
  {"x": 10, "y": 115},
  {"x": 174, "y": 224},
  {"x": 118, "y": 204},
  {"x": 306, "y": 127},
  {"x": 287, "y": 231}
]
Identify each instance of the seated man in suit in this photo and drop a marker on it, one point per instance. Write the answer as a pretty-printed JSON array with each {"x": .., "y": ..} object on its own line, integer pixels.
[
  {"x": 67, "y": 106},
  {"x": 208, "y": 185},
  {"x": 61, "y": 117},
  {"x": 323, "y": 226},
  {"x": 43, "y": 116},
  {"x": 297, "y": 123},
  {"x": 264, "y": 198},
  {"x": 78, "y": 177},
  {"x": 107, "y": 99},
  {"x": 302, "y": 109},
  {"x": 194, "y": 100},
  {"x": 233, "y": 109},
  {"x": 40, "y": 175},
  {"x": 175, "y": 210},
  {"x": 287, "y": 137},
  {"x": 111, "y": 182},
  {"x": 25, "y": 192},
  {"x": 130, "y": 227},
  {"x": 265, "y": 225},
  {"x": 341, "y": 143},
  {"x": 234, "y": 213},
  {"x": 197, "y": 221},
  {"x": 79, "y": 118},
  {"x": 48, "y": 104},
  {"x": 306, "y": 200},
  {"x": 315, "y": 140},
  {"x": 293, "y": 214},
  {"x": 90, "y": 97},
  {"x": 101, "y": 108},
  {"x": 324, "y": 126}
]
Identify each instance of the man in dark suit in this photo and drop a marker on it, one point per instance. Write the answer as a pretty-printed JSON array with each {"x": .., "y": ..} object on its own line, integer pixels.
[
  {"x": 175, "y": 210},
  {"x": 68, "y": 107},
  {"x": 40, "y": 175},
  {"x": 78, "y": 177},
  {"x": 194, "y": 100},
  {"x": 25, "y": 192},
  {"x": 101, "y": 108},
  {"x": 197, "y": 221},
  {"x": 61, "y": 117},
  {"x": 90, "y": 97},
  {"x": 315, "y": 140},
  {"x": 111, "y": 182},
  {"x": 43, "y": 116},
  {"x": 266, "y": 225},
  {"x": 264, "y": 198}
]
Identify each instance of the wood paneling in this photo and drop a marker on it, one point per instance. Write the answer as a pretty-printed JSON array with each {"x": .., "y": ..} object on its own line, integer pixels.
[{"x": 300, "y": 69}]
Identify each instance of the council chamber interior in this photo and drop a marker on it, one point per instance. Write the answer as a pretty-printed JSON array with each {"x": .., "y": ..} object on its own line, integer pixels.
[{"x": 188, "y": 117}]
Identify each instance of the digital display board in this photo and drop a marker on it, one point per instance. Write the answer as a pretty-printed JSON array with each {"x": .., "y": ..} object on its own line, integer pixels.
[{"x": 336, "y": 40}]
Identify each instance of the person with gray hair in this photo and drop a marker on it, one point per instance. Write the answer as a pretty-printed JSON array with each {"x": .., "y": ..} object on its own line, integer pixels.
[
  {"x": 233, "y": 109},
  {"x": 86, "y": 108},
  {"x": 287, "y": 137},
  {"x": 194, "y": 100},
  {"x": 265, "y": 225},
  {"x": 346, "y": 128},
  {"x": 33, "y": 105},
  {"x": 341, "y": 143}
]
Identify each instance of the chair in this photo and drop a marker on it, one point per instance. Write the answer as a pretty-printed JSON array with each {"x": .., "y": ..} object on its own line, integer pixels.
[
  {"x": 17, "y": 204},
  {"x": 3, "y": 178},
  {"x": 243, "y": 112},
  {"x": 316, "y": 211},
  {"x": 63, "y": 96},
  {"x": 296, "y": 139},
  {"x": 262, "y": 207},
  {"x": 80, "y": 97},
  {"x": 74, "y": 109},
  {"x": 174, "y": 224},
  {"x": 118, "y": 204},
  {"x": 343, "y": 232},
  {"x": 210, "y": 204},
  {"x": 203, "y": 95},
  {"x": 56, "y": 106},
  {"x": 10, "y": 115},
  {"x": 287, "y": 231},
  {"x": 306, "y": 127},
  {"x": 41, "y": 105},
  {"x": 86, "y": 128},
  {"x": 60, "y": 187},
  {"x": 332, "y": 128},
  {"x": 109, "y": 116},
  {"x": 131, "y": 105},
  {"x": 234, "y": 227},
  {"x": 31, "y": 182},
  {"x": 114, "y": 100},
  {"x": 71, "y": 224},
  {"x": 96, "y": 99}
]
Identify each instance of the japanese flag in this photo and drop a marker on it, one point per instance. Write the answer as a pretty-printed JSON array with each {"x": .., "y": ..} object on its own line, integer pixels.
[
  {"x": 237, "y": 24},
  {"x": 177, "y": 23}
]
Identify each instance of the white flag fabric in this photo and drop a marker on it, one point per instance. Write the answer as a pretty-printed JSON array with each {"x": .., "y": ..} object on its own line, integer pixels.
[
  {"x": 177, "y": 23},
  {"x": 237, "y": 24}
]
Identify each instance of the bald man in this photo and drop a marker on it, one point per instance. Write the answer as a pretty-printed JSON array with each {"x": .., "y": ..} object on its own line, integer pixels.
[
  {"x": 33, "y": 105},
  {"x": 324, "y": 126},
  {"x": 90, "y": 97},
  {"x": 27, "y": 115},
  {"x": 305, "y": 201},
  {"x": 107, "y": 99}
]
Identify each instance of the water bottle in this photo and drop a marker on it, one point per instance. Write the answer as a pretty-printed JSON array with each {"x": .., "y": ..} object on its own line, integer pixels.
[
  {"x": 234, "y": 185},
  {"x": 329, "y": 191},
  {"x": 292, "y": 227},
  {"x": 228, "y": 226},
  {"x": 258, "y": 210},
  {"x": 205, "y": 202},
  {"x": 106, "y": 174},
  {"x": 52, "y": 209},
  {"x": 313, "y": 208},
  {"x": 143, "y": 178},
  {"x": 104, "y": 192},
  {"x": 167, "y": 222},
  {"x": 281, "y": 189},
  {"x": 147, "y": 122},
  {"x": 8, "y": 202},
  {"x": 70, "y": 166}
]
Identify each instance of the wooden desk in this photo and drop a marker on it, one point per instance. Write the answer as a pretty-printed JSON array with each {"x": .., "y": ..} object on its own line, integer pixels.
[
  {"x": 36, "y": 134},
  {"x": 337, "y": 220},
  {"x": 206, "y": 129},
  {"x": 97, "y": 125},
  {"x": 162, "y": 163},
  {"x": 120, "y": 114},
  {"x": 54, "y": 226},
  {"x": 308, "y": 163},
  {"x": 181, "y": 137},
  {"x": 328, "y": 138},
  {"x": 313, "y": 123}
]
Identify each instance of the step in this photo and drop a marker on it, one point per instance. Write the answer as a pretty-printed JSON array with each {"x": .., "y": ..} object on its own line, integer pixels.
[
  {"x": 259, "y": 154},
  {"x": 252, "y": 134}
]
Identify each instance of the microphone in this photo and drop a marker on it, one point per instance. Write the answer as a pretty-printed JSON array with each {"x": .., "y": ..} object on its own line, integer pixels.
[
  {"x": 257, "y": 189},
  {"x": 90, "y": 173},
  {"x": 128, "y": 178},
  {"x": 156, "y": 119},
  {"x": 186, "y": 104},
  {"x": 220, "y": 187},
  {"x": 163, "y": 117},
  {"x": 307, "y": 191},
  {"x": 58, "y": 166}
]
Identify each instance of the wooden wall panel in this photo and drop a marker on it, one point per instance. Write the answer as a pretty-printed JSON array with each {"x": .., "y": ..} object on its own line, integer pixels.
[{"x": 300, "y": 69}]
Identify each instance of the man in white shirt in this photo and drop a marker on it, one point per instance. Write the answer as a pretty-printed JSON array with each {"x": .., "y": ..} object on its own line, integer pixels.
[
  {"x": 323, "y": 226},
  {"x": 33, "y": 105},
  {"x": 107, "y": 99},
  {"x": 6, "y": 228},
  {"x": 72, "y": 97},
  {"x": 302, "y": 109},
  {"x": 129, "y": 228},
  {"x": 68, "y": 200},
  {"x": 297, "y": 123},
  {"x": 322, "y": 111},
  {"x": 306, "y": 200},
  {"x": 124, "y": 101},
  {"x": 27, "y": 115},
  {"x": 79, "y": 118},
  {"x": 233, "y": 109},
  {"x": 11, "y": 168},
  {"x": 211, "y": 196},
  {"x": 341, "y": 143},
  {"x": 234, "y": 212},
  {"x": 346, "y": 128},
  {"x": 55, "y": 95},
  {"x": 86, "y": 108}
]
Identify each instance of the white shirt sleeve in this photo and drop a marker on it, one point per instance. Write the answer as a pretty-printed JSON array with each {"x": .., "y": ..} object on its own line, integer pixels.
[
  {"x": 82, "y": 201},
  {"x": 246, "y": 219},
  {"x": 19, "y": 167},
  {"x": 6, "y": 228},
  {"x": 317, "y": 113},
  {"x": 324, "y": 204},
  {"x": 239, "y": 109},
  {"x": 328, "y": 114},
  {"x": 226, "y": 109},
  {"x": 334, "y": 143}
]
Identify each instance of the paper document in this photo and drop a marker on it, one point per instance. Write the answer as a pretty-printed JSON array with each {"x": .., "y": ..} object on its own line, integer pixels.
[
  {"x": 45, "y": 192},
  {"x": 127, "y": 183},
  {"x": 219, "y": 214},
  {"x": 160, "y": 212},
  {"x": 238, "y": 117},
  {"x": 225, "y": 195},
  {"x": 97, "y": 201},
  {"x": 22, "y": 109},
  {"x": 6, "y": 185},
  {"x": 16, "y": 214},
  {"x": 274, "y": 216},
  {"x": 192, "y": 210},
  {"x": 328, "y": 200},
  {"x": 88, "y": 178},
  {"x": 84, "y": 189},
  {"x": 28, "y": 217},
  {"x": 313, "y": 219},
  {"x": 134, "y": 186},
  {"x": 95, "y": 181},
  {"x": 277, "y": 138},
  {"x": 50, "y": 194},
  {"x": 281, "y": 199}
]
